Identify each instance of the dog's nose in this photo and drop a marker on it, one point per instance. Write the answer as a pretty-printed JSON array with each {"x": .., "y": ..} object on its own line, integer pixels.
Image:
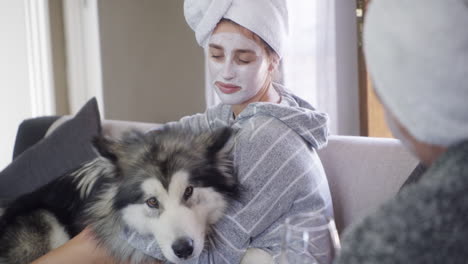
[{"x": 183, "y": 247}]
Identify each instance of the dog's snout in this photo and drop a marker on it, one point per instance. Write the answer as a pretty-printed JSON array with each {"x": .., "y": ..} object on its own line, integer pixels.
[{"x": 183, "y": 247}]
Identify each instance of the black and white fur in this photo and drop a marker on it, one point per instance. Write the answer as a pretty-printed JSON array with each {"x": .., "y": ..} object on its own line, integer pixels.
[{"x": 168, "y": 183}]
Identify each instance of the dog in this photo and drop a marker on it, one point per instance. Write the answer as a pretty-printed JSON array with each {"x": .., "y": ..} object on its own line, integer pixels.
[{"x": 168, "y": 183}]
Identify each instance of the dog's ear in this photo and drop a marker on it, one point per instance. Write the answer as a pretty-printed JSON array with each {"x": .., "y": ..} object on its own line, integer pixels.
[
  {"x": 106, "y": 147},
  {"x": 115, "y": 149},
  {"x": 219, "y": 139},
  {"x": 132, "y": 137}
]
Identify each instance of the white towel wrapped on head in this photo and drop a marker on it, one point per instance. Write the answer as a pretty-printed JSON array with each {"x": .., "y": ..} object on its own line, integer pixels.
[{"x": 266, "y": 18}]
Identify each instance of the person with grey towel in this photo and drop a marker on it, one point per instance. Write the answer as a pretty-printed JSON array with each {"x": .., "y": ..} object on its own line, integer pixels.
[{"x": 417, "y": 55}]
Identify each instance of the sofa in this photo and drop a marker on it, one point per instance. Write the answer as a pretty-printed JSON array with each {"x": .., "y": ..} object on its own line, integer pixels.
[{"x": 362, "y": 172}]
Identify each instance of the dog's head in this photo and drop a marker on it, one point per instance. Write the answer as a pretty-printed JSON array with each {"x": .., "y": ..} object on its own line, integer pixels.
[{"x": 173, "y": 185}]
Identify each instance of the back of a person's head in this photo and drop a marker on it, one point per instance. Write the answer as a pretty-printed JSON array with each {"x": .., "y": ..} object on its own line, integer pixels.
[{"x": 417, "y": 55}]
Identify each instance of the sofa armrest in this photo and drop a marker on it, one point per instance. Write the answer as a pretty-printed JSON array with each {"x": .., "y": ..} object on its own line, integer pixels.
[{"x": 363, "y": 173}]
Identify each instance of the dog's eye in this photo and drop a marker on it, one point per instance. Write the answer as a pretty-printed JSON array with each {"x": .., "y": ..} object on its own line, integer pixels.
[
  {"x": 188, "y": 192},
  {"x": 152, "y": 202}
]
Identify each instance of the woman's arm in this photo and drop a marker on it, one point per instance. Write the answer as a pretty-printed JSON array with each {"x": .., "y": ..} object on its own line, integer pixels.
[
  {"x": 82, "y": 249},
  {"x": 213, "y": 118},
  {"x": 284, "y": 176}
]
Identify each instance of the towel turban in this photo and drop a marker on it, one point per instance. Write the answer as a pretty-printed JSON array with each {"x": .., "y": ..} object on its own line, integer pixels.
[
  {"x": 266, "y": 18},
  {"x": 417, "y": 55}
]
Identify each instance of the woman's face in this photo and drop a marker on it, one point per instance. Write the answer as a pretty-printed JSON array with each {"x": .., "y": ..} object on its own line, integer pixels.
[{"x": 238, "y": 66}]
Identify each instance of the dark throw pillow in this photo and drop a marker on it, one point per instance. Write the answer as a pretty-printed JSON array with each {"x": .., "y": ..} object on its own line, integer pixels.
[
  {"x": 30, "y": 131},
  {"x": 61, "y": 152}
]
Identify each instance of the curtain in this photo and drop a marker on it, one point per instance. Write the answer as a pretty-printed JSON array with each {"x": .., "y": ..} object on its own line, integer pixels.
[{"x": 310, "y": 63}]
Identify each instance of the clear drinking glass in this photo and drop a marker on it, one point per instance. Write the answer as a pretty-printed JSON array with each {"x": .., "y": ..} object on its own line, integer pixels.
[{"x": 309, "y": 238}]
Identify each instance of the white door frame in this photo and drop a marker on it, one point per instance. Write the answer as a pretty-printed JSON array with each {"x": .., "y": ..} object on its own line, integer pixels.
[
  {"x": 39, "y": 49},
  {"x": 84, "y": 66}
]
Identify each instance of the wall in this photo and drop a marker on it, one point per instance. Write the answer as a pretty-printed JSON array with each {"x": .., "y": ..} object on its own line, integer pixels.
[
  {"x": 14, "y": 78},
  {"x": 58, "y": 56},
  {"x": 153, "y": 69},
  {"x": 347, "y": 83}
]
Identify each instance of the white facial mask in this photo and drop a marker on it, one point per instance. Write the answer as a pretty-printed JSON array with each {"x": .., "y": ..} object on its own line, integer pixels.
[{"x": 243, "y": 81}]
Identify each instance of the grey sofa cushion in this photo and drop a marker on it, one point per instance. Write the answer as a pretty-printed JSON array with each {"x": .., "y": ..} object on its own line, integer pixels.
[{"x": 62, "y": 151}]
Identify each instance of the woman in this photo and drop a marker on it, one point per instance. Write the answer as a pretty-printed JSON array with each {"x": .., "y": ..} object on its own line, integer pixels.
[
  {"x": 277, "y": 135},
  {"x": 417, "y": 53}
]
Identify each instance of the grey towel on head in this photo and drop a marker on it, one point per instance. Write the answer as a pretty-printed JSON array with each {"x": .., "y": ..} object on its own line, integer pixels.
[{"x": 417, "y": 54}]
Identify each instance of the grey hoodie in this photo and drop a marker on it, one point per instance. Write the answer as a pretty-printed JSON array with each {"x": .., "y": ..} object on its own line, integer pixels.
[{"x": 281, "y": 174}]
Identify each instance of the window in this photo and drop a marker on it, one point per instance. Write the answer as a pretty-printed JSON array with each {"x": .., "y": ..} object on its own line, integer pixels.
[
  {"x": 309, "y": 66},
  {"x": 322, "y": 64},
  {"x": 301, "y": 64}
]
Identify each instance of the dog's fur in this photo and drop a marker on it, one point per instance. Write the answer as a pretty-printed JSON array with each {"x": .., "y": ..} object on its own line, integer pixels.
[{"x": 188, "y": 177}]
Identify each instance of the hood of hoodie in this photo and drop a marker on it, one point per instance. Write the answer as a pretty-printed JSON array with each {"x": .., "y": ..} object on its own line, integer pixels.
[{"x": 295, "y": 113}]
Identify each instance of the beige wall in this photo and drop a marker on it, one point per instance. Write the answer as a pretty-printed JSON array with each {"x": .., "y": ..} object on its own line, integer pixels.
[
  {"x": 153, "y": 69},
  {"x": 347, "y": 82},
  {"x": 58, "y": 56}
]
